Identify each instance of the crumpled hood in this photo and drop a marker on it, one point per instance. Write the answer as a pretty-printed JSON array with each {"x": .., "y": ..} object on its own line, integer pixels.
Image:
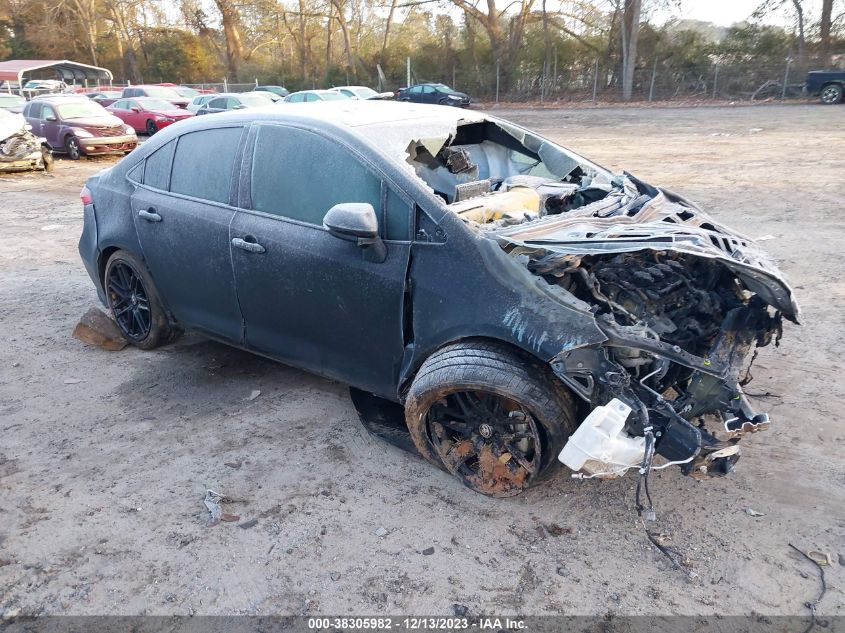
[
  {"x": 617, "y": 224},
  {"x": 11, "y": 124}
]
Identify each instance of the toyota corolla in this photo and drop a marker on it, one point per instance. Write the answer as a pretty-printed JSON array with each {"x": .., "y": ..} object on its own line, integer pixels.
[{"x": 494, "y": 300}]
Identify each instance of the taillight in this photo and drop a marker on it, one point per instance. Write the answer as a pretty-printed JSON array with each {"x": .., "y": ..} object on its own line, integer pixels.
[{"x": 85, "y": 196}]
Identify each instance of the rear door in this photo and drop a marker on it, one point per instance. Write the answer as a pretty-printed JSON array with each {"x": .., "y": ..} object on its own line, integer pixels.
[
  {"x": 429, "y": 94},
  {"x": 32, "y": 114},
  {"x": 182, "y": 211},
  {"x": 307, "y": 297}
]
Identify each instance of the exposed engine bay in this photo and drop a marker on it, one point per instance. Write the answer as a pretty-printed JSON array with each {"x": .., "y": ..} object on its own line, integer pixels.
[{"x": 683, "y": 301}]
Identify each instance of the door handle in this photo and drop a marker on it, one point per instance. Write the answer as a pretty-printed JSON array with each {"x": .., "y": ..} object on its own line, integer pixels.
[
  {"x": 249, "y": 244},
  {"x": 149, "y": 215}
]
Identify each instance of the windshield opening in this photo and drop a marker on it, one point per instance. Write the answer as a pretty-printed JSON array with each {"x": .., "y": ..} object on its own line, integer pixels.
[{"x": 493, "y": 172}]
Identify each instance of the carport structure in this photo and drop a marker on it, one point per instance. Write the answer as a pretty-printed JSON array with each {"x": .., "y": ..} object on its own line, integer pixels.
[{"x": 70, "y": 72}]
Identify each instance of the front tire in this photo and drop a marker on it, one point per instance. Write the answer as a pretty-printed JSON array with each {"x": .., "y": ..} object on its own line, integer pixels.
[
  {"x": 831, "y": 94},
  {"x": 74, "y": 151},
  {"x": 490, "y": 416},
  {"x": 134, "y": 302},
  {"x": 151, "y": 128}
]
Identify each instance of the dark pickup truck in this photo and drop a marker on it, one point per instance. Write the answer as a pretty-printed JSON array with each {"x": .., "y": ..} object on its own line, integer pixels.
[{"x": 827, "y": 85}]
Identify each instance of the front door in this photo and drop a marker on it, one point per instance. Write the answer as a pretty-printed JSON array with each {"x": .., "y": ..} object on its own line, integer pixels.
[
  {"x": 50, "y": 129},
  {"x": 182, "y": 215},
  {"x": 307, "y": 297}
]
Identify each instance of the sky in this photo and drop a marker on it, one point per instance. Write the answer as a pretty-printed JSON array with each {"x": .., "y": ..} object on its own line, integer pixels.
[{"x": 727, "y": 12}]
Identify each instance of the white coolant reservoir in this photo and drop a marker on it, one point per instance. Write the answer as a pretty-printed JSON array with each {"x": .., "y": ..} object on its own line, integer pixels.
[{"x": 600, "y": 447}]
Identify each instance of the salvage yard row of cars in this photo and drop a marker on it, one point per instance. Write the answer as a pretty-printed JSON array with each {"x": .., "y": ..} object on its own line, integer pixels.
[
  {"x": 498, "y": 303},
  {"x": 106, "y": 121}
]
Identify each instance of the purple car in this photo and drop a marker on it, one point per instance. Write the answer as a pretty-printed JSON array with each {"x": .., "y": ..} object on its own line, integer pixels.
[{"x": 77, "y": 126}]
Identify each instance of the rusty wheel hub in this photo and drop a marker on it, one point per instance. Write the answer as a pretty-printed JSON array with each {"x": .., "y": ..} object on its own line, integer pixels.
[{"x": 490, "y": 442}]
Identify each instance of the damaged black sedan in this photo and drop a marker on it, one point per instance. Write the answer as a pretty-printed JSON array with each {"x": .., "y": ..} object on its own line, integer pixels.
[{"x": 496, "y": 302}]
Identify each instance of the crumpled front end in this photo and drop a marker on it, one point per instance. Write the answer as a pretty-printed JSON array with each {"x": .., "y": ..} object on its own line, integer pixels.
[
  {"x": 683, "y": 303},
  {"x": 20, "y": 150}
]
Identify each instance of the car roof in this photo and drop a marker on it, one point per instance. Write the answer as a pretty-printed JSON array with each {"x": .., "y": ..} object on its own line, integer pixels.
[
  {"x": 147, "y": 100},
  {"x": 226, "y": 94},
  {"x": 388, "y": 126},
  {"x": 59, "y": 98}
]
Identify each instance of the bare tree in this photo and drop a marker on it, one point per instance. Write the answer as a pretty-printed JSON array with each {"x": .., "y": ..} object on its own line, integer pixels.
[
  {"x": 630, "y": 36},
  {"x": 824, "y": 31},
  {"x": 504, "y": 42},
  {"x": 231, "y": 19},
  {"x": 84, "y": 13}
]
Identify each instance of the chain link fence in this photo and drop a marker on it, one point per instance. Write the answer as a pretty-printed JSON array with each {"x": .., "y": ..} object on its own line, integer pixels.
[
  {"x": 591, "y": 81},
  {"x": 658, "y": 81}
]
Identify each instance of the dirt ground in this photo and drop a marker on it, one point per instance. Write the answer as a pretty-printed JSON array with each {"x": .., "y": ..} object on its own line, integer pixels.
[{"x": 105, "y": 456}]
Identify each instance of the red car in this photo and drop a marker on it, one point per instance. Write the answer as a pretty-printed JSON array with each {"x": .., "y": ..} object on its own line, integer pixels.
[{"x": 147, "y": 114}]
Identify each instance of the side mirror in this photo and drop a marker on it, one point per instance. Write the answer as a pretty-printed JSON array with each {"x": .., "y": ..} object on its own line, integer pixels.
[
  {"x": 50, "y": 117},
  {"x": 239, "y": 107},
  {"x": 135, "y": 109},
  {"x": 356, "y": 221}
]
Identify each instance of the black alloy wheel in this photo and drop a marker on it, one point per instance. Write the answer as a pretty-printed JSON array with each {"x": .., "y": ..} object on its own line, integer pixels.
[
  {"x": 129, "y": 302},
  {"x": 488, "y": 441}
]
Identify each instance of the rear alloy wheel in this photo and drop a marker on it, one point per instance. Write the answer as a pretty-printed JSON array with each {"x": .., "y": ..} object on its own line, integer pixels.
[
  {"x": 134, "y": 302},
  {"x": 831, "y": 94},
  {"x": 489, "y": 416},
  {"x": 151, "y": 128},
  {"x": 72, "y": 148}
]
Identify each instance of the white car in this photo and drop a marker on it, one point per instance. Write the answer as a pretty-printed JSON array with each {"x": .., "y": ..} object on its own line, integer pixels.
[
  {"x": 361, "y": 93},
  {"x": 20, "y": 149},
  {"x": 198, "y": 102}
]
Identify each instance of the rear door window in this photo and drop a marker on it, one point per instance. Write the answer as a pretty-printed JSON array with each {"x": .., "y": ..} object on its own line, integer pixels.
[
  {"x": 157, "y": 168},
  {"x": 203, "y": 164}
]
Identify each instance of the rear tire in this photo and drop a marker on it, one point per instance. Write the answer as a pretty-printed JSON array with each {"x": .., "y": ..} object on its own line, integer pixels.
[
  {"x": 831, "y": 94},
  {"x": 134, "y": 302},
  {"x": 151, "y": 128},
  {"x": 494, "y": 418}
]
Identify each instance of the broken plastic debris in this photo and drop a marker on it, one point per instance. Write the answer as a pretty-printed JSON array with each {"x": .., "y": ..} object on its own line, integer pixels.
[
  {"x": 753, "y": 513},
  {"x": 212, "y": 502},
  {"x": 255, "y": 393}
]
